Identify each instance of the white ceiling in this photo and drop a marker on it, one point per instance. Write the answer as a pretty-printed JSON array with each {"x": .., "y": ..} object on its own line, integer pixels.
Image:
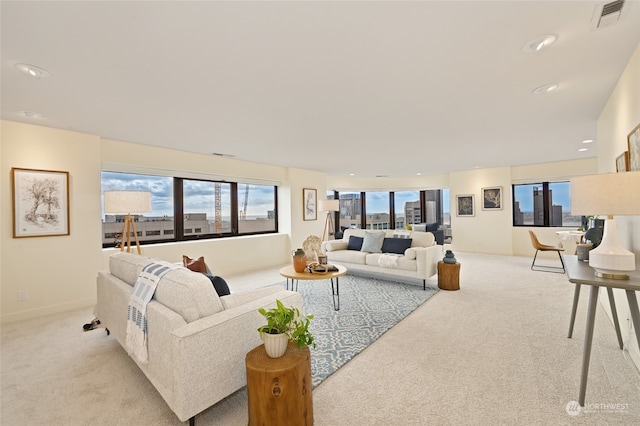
[{"x": 372, "y": 88}]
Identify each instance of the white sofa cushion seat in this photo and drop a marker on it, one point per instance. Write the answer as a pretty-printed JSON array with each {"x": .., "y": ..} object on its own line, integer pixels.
[
  {"x": 348, "y": 256},
  {"x": 187, "y": 293},
  {"x": 401, "y": 262}
]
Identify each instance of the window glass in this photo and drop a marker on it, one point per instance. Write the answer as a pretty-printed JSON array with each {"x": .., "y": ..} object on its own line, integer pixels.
[
  {"x": 256, "y": 208},
  {"x": 560, "y": 196},
  {"x": 523, "y": 204},
  {"x": 350, "y": 210},
  {"x": 543, "y": 204},
  {"x": 377, "y": 205},
  {"x": 149, "y": 226},
  {"x": 407, "y": 208},
  {"x": 206, "y": 207}
]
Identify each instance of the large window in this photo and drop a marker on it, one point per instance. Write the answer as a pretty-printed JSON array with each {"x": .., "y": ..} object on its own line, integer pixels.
[
  {"x": 543, "y": 204},
  {"x": 205, "y": 209},
  {"x": 377, "y": 208}
]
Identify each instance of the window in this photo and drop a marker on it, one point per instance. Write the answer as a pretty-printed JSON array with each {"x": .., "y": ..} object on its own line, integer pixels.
[
  {"x": 377, "y": 208},
  {"x": 407, "y": 208},
  {"x": 205, "y": 209},
  {"x": 350, "y": 209},
  {"x": 543, "y": 204}
]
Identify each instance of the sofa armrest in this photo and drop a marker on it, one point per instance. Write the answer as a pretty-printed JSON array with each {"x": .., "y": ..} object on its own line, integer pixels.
[
  {"x": 427, "y": 260},
  {"x": 236, "y": 299},
  {"x": 209, "y": 353},
  {"x": 334, "y": 245}
]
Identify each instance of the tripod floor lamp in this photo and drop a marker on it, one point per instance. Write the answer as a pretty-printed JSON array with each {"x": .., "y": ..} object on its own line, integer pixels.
[
  {"x": 329, "y": 206},
  {"x": 127, "y": 203}
]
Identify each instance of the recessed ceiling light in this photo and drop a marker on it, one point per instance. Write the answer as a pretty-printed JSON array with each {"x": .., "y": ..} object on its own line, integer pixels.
[
  {"x": 352, "y": 174},
  {"x": 583, "y": 149},
  {"x": 31, "y": 114},
  {"x": 418, "y": 174},
  {"x": 539, "y": 43},
  {"x": 33, "y": 71},
  {"x": 587, "y": 141},
  {"x": 545, "y": 89}
]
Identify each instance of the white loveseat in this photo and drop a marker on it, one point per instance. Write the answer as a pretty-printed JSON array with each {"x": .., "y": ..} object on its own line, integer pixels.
[
  {"x": 197, "y": 341},
  {"x": 419, "y": 261}
]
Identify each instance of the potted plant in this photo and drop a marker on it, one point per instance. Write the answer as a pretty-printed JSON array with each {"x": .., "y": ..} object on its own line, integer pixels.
[{"x": 284, "y": 324}]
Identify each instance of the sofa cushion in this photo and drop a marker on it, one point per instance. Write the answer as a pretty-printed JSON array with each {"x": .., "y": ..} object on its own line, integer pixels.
[
  {"x": 422, "y": 239},
  {"x": 127, "y": 266},
  {"x": 355, "y": 243},
  {"x": 373, "y": 242},
  {"x": 219, "y": 284},
  {"x": 396, "y": 245},
  {"x": 419, "y": 227},
  {"x": 347, "y": 256},
  {"x": 189, "y": 294},
  {"x": 195, "y": 265},
  {"x": 431, "y": 227},
  {"x": 373, "y": 259}
]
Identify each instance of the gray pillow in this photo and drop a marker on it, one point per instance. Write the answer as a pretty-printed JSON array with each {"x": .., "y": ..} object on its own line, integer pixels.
[
  {"x": 373, "y": 242},
  {"x": 419, "y": 227}
]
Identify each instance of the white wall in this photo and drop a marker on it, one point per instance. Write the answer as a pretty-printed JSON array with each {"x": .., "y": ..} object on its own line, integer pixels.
[
  {"x": 58, "y": 273},
  {"x": 620, "y": 115}
]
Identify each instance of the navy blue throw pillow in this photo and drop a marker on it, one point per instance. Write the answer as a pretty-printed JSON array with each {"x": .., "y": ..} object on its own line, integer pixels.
[
  {"x": 355, "y": 243},
  {"x": 219, "y": 284},
  {"x": 396, "y": 245}
]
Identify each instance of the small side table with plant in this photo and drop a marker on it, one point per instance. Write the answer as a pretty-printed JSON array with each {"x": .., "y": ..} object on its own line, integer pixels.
[{"x": 279, "y": 383}]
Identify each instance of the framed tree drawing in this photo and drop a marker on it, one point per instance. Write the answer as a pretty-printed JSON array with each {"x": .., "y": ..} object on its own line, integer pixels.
[
  {"x": 464, "y": 205},
  {"x": 633, "y": 139},
  {"x": 309, "y": 207},
  {"x": 40, "y": 203},
  {"x": 492, "y": 198},
  {"x": 622, "y": 162}
]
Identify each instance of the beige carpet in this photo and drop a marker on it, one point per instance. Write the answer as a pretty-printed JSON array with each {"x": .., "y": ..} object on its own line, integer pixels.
[{"x": 494, "y": 352}]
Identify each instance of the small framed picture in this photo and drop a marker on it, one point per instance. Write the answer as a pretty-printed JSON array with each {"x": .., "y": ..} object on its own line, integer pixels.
[
  {"x": 40, "y": 203},
  {"x": 309, "y": 207},
  {"x": 633, "y": 140},
  {"x": 622, "y": 162},
  {"x": 464, "y": 205},
  {"x": 492, "y": 198}
]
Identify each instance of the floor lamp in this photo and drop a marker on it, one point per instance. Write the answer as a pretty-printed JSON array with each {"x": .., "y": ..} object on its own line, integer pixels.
[
  {"x": 329, "y": 206},
  {"x": 127, "y": 203}
]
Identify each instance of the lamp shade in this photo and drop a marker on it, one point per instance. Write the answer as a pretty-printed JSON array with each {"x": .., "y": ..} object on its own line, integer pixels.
[
  {"x": 606, "y": 194},
  {"x": 329, "y": 205},
  {"x": 127, "y": 202}
]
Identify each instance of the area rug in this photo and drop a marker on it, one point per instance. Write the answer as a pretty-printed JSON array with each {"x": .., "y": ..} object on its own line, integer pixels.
[{"x": 369, "y": 307}]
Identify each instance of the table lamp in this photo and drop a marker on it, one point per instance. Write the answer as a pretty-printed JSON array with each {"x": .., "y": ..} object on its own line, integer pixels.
[
  {"x": 328, "y": 206},
  {"x": 127, "y": 203},
  {"x": 608, "y": 194}
]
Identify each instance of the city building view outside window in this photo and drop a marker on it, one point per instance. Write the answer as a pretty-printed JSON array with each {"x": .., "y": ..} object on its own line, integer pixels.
[
  {"x": 207, "y": 207},
  {"x": 543, "y": 204},
  {"x": 408, "y": 207}
]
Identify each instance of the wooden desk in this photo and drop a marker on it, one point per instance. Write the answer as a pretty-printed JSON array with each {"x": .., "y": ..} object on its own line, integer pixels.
[
  {"x": 279, "y": 389},
  {"x": 580, "y": 273},
  {"x": 290, "y": 274}
]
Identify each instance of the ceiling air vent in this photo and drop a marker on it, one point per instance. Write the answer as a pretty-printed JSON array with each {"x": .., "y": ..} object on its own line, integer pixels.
[{"x": 606, "y": 14}]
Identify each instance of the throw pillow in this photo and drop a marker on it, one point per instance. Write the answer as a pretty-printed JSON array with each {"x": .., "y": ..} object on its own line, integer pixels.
[
  {"x": 195, "y": 265},
  {"x": 355, "y": 243},
  {"x": 396, "y": 245},
  {"x": 372, "y": 242},
  {"x": 421, "y": 227},
  {"x": 219, "y": 284}
]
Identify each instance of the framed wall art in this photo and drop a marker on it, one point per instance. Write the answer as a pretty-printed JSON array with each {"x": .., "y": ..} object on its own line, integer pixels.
[
  {"x": 622, "y": 162},
  {"x": 633, "y": 139},
  {"x": 309, "y": 200},
  {"x": 492, "y": 198},
  {"x": 464, "y": 205},
  {"x": 40, "y": 203}
]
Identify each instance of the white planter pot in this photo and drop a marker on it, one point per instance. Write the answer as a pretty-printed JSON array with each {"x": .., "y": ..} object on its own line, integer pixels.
[{"x": 275, "y": 344}]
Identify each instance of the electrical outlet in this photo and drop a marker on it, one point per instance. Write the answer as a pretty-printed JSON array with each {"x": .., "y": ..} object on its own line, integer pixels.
[{"x": 22, "y": 295}]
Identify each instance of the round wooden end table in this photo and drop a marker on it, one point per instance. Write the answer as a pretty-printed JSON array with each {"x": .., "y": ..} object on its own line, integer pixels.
[{"x": 290, "y": 274}]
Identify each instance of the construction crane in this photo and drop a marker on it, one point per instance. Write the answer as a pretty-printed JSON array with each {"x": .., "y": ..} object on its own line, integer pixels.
[
  {"x": 217, "y": 188},
  {"x": 243, "y": 212}
]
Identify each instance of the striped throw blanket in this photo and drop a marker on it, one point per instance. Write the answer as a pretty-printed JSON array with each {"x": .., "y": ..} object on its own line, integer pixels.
[{"x": 143, "y": 291}]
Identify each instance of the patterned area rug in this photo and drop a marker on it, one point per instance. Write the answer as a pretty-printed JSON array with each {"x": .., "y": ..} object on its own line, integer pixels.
[{"x": 368, "y": 308}]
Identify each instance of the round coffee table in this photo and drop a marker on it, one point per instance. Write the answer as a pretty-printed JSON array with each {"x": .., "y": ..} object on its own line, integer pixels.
[{"x": 290, "y": 274}]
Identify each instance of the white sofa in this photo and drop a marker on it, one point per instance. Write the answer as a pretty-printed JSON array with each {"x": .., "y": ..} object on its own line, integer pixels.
[
  {"x": 420, "y": 261},
  {"x": 197, "y": 341}
]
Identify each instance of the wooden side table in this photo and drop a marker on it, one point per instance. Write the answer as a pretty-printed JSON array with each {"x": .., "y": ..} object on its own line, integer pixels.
[
  {"x": 448, "y": 276},
  {"x": 279, "y": 389}
]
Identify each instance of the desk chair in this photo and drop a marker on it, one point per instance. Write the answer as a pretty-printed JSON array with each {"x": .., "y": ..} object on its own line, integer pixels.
[{"x": 544, "y": 247}]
